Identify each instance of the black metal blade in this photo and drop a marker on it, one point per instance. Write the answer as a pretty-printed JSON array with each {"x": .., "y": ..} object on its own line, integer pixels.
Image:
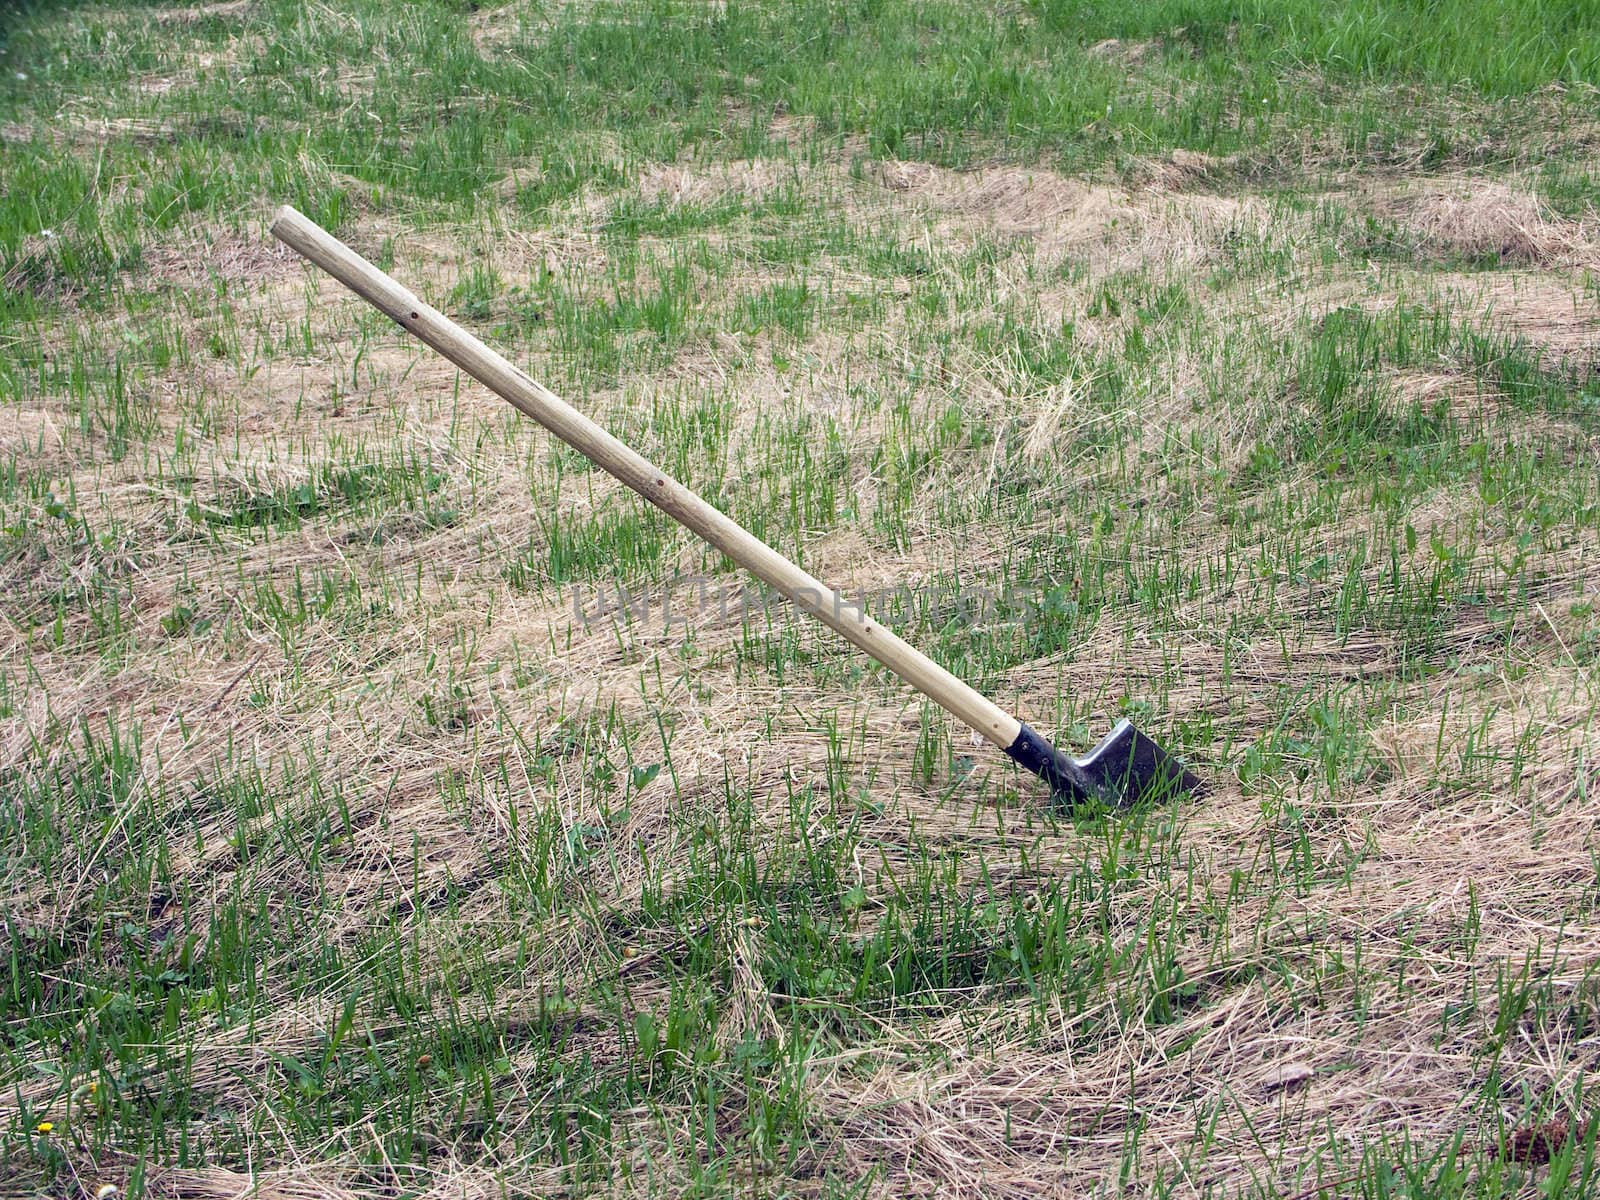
[
  {"x": 1125, "y": 768},
  {"x": 1133, "y": 768}
]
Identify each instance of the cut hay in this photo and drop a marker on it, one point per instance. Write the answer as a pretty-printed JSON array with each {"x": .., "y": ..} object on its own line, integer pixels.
[{"x": 1484, "y": 218}]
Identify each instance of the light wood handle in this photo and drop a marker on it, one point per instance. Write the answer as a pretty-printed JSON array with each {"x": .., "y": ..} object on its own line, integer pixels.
[{"x": 809, "y": 594}]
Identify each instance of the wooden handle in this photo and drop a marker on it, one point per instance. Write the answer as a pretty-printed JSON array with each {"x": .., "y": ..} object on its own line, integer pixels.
[{"x": 810, "y": 595}]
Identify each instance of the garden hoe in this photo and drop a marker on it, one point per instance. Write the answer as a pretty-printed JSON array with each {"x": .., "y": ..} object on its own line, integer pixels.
[{"x": 1125, "y": 768}]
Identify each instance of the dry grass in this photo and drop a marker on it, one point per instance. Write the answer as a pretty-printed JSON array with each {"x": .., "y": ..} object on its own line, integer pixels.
[
  {"x": 1549, "y": 311},
  {"x": 1484, "y": 218}
]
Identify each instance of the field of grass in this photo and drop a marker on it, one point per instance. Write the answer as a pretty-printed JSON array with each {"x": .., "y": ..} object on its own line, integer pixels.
[{"x": 365, "y": 829}]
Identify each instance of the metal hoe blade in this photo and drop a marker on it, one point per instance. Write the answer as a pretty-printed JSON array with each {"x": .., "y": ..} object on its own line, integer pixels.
[{"x": 1125, "y": 768}]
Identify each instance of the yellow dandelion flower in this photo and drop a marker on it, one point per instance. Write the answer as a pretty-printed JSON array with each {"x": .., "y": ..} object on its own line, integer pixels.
[{"x": 44, "y": 1126}]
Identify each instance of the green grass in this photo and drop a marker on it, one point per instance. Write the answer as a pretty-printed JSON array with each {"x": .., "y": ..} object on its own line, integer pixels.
[
  {"x": 438, "y": 121},
  {"x": 1497, "y": 48},
  {"x": 367, "y": 829}
]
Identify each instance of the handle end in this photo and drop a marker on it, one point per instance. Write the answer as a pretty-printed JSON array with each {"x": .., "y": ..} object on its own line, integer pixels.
[{"x": 286, "y": 216}]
